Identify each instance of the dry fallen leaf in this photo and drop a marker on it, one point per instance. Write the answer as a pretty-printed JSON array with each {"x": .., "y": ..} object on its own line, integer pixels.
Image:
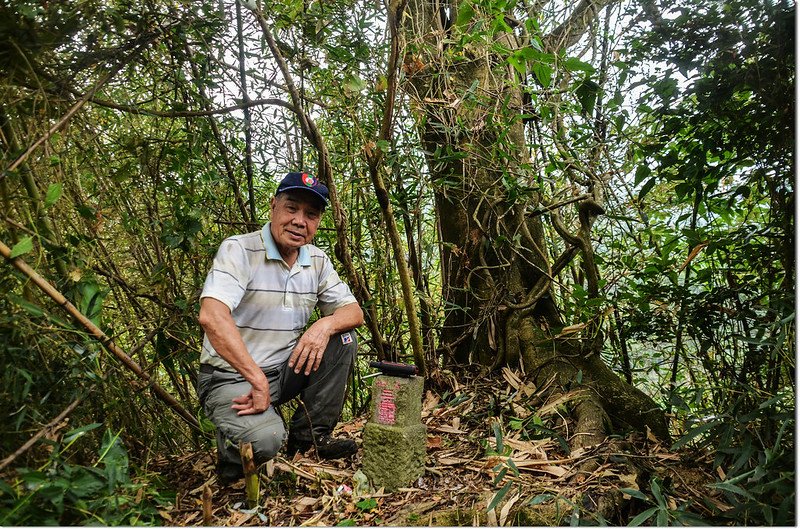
[{"x": 434, "y": 441}]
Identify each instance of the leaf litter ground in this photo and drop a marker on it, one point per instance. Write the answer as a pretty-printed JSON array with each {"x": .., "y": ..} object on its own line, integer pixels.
[{"x": 493, "y": 458}]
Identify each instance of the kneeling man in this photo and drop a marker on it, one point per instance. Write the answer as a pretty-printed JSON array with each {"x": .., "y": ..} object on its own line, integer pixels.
[{"x": 257, "y": 352}]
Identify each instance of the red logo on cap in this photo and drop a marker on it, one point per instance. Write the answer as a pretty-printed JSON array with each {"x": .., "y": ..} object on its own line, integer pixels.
[{"x": 309, "y": 180}]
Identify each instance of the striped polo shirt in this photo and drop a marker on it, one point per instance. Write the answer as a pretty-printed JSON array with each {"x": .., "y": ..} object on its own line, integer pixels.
[{"x": 270, "y": 302}]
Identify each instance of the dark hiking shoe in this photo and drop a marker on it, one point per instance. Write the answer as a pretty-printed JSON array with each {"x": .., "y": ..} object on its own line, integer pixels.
[
  {"x": 327, "y": 447},
  {"x": 228, "y": 473}
]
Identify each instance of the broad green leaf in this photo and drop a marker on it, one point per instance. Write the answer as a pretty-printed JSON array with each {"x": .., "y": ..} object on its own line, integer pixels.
[
  {"x": 573, "y": 64},
  {"x": 22, "y": 247},
  {"x": 465, "y": 13},
  {"x": 543, "y": 73},
  {"x": 642, "y": 172},
  {"x": 53, "y": 194},
  {"x": 367, "y": 504}
]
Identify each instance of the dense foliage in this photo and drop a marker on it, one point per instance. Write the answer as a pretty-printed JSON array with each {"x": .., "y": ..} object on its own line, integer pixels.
[{"x": 171, "y": 120}]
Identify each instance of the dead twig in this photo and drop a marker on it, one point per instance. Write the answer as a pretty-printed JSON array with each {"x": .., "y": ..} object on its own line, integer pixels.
[{"x": 41, "y": 433}]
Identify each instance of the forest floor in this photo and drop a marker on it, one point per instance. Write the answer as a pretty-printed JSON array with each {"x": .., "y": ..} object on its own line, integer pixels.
[{"x": 467, "y": 471}]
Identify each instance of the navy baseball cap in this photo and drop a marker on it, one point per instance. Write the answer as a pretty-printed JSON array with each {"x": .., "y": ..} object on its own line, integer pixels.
[{"x": 306, "y": 182}]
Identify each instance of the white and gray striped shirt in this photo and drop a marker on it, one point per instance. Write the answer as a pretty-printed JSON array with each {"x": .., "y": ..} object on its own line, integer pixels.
[{"x": 270, "y": 303}]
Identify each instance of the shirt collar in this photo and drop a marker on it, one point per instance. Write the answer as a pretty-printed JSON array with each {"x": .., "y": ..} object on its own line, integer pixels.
[{"x": 303, "y": 259}]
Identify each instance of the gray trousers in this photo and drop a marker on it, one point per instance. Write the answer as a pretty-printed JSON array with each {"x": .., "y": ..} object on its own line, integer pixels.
[{"x": 322, "y": 395}]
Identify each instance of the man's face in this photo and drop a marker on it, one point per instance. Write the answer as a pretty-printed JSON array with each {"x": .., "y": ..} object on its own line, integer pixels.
[{"x": 294, "y": 220}]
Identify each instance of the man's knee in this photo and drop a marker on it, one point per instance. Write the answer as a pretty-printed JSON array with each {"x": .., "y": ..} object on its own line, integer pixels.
[{"x": 266, "y": 441}]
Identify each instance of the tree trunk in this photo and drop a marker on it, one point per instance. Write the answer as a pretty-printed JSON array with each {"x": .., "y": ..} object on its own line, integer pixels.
[{"x": 496, "y": 271}]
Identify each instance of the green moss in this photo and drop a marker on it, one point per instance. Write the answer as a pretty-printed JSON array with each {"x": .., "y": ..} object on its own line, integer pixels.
[{"x": 393, "y": 457}]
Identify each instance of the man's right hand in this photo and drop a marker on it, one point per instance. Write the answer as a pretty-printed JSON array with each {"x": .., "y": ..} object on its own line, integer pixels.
[{"x": 257, "y": 401}]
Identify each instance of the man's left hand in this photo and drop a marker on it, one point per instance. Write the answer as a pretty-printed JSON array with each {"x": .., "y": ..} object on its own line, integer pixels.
[{"x": 308, "y": 352}]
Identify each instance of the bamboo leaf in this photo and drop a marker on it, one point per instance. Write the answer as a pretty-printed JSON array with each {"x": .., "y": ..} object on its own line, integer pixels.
[
  {"x": 647, "y": 187},
  {"x": 642, "y": 517},
  {"x": 633, "y": 493},
  {"x": 541, "y": 498},
  {"x": 22, "y": 247},
  {"x": 498, "y": 437},
  {"x": 691, "y": 434},
  {"x": 499, "y": 496}
]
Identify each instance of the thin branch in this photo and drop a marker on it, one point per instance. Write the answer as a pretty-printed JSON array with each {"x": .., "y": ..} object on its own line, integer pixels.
[
  {"x": 248, "y": 139},
  {"x": 41, "y": 433},
  {"x": 194, "y": 113},
  {"x": 551, "y": 207},
  {"x": 572, "y": 29}
]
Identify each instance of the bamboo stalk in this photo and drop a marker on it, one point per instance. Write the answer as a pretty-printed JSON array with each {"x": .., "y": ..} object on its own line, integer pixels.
[
  {"x": 208, "y": 514},
  {"x": 99, "y": 335},
  {"x": 374, "y": 160},
  {"x": 250, "y": 475}
]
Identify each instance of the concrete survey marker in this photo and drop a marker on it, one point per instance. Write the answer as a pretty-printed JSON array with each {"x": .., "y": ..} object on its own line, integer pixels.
[{"x": 395, "y": 438}]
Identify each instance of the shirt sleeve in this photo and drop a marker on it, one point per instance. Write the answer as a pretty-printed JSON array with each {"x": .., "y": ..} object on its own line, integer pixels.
[
  {"x": 229, "y": 275},
  {"x": 332, "y": 292}
]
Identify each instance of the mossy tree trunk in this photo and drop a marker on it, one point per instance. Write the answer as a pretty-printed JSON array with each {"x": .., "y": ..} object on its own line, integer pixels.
[{"x": 497, "y": 275}]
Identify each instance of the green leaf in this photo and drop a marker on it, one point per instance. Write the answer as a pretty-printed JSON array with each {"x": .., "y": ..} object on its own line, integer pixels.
[
  {"x": 642, "y": 172},
  {"x": 642, "y": 517},
  {"x": 498, "y": 437},
  {"x": 29, "y": 307},
  {"x": 655, "y": 488},
  {"x": 465, "y": 13},
  {"x": 694, "y": 432},
  {"x": 53, "y": 194},
  {"x": 78, "y": 432},
  {"x": 647, "y": 187},
  {"x": 573, "y": 64},
  {"x": 86, "y": 482},
  {"x": 367, "y": 504},
  {"x": 543, "y": 74},
  {"x": 729, "y": 487},
  {"x": 346, "y": 523},
  {"x": 22, "y": 247},
  {"x": 587, "y": 93},
  {"x": 499, "y": 496},
  {"x": 634, "y": 493},
  {"x": 541, "y": 498},
  {"x": 115, "y": 458}
]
